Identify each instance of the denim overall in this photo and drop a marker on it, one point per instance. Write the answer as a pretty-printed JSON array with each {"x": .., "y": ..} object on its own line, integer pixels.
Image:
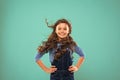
[{"x": 62, "y": 65}]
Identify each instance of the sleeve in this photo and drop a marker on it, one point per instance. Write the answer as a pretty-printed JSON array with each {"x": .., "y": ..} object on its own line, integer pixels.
[
  {"x": 38, "y": 56},
  {"x": 79, "y": 51}
]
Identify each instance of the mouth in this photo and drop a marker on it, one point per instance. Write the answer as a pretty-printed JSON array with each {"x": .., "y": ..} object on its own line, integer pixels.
[{"x": 62, "y": 34}]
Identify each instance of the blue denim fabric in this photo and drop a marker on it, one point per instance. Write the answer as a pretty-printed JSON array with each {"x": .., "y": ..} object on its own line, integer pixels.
[
  {"x": 62, "y": 75},
  {"x": 78, "y": 50},
  {"x": 62, "y": 66}
]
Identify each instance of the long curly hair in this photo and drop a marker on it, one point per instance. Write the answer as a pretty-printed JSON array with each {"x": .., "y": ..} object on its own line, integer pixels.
[{"x": 53, "y": 40}]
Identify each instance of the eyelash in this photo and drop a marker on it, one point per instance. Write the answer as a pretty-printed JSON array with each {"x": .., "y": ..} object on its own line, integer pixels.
[{"x": 60, "y": 29}]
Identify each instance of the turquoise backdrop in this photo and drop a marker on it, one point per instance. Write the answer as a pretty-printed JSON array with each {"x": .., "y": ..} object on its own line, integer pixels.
[{"x": 95, "y": 28}]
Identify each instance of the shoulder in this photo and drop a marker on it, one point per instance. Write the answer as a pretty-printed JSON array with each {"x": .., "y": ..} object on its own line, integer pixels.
[
  {"x": 77, "y": 48},
  {"x": 51, "y": 50}
]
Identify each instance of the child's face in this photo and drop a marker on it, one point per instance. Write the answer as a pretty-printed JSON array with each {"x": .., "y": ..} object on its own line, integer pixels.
[{"x": 62, "y": 30}]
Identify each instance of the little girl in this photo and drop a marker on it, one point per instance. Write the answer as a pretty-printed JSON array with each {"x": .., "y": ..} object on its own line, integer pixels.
[{"x": 60, "y": 46}]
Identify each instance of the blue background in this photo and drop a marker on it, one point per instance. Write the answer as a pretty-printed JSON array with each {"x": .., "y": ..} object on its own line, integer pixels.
[{"x": 95, "y": 28}]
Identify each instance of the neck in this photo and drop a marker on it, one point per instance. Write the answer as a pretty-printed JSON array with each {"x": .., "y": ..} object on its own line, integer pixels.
[{"x": 62, "y": 39}]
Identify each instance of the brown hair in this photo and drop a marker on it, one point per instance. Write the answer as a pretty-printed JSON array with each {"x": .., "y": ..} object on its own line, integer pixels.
[{"x": 53, "y": 40}]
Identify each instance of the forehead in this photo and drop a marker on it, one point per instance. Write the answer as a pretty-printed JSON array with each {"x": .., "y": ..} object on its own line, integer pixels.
[{"x": 62, "y": 25}]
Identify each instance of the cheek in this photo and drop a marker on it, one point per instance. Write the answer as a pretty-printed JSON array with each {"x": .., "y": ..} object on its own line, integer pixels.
[
  {"x": 56, "y": 31},
  {"x": 67, "y": 31}
]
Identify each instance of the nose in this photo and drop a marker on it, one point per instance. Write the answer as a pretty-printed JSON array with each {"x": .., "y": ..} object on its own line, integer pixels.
[{"x": 62, "y": 31}]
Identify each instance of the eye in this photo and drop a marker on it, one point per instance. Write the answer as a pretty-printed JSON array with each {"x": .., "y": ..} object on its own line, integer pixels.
[
  {"x": 59, "y": 28},
  {"x": 65, "y": 28}
]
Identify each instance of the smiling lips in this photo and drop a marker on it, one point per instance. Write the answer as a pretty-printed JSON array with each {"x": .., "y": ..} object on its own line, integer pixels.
[{"x": 62, "y": 34}]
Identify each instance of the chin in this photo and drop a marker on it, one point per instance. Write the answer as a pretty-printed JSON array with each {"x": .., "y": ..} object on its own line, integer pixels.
[{"x": 62, "y": 37}]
